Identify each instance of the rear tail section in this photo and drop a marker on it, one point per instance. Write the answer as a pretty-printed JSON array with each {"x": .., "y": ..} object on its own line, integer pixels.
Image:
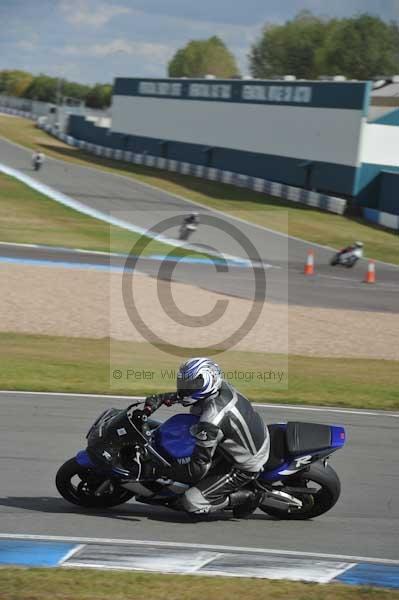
[{"x": 296, "y": 445}]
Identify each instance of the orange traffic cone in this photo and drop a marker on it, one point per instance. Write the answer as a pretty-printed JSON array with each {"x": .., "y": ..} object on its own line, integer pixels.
[
  {"x": 309, "y": 265},
  {"x": 370, "y": 275}
]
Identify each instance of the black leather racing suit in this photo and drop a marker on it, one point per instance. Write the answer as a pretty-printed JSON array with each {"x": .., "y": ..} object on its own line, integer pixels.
[
  {"x": 228, "y": 422},
  {"x": 191, "y": 220}
]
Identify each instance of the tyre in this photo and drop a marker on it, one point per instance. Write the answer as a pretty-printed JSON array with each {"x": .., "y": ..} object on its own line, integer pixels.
[
  {"x": 328, "y": 491},
  {"x": 78, "y": 484},
  {"x": 333, "y": 262}
]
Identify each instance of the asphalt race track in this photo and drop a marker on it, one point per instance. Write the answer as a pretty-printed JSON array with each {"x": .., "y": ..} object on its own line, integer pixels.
[
  {"x": 146, "y": 206},
  {"x": 39, "y": 432}
]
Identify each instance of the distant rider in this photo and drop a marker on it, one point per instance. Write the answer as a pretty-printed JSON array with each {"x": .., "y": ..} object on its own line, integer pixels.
[
  {"x": 37, "y": 160},
  {"x": 191, "y": 219},
  {"x": 228, "y": 422},
  {"x": 356, "y": 247}
]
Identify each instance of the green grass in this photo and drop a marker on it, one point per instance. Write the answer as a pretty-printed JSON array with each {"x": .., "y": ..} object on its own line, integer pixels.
[
  {"x": 299, "y": 221},
  {"x": 44, "y": 363},
  {"x": 86, "y": 584},
  {"x": 26, "y": 216}
]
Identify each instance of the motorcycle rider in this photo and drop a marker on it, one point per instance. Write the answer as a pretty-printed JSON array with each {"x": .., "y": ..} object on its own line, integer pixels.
[
  {"x": 188, "y": 225},
  {"x": 357, "y": 246},
  {"x": 227, "y": 421},
  {"x": 37, "y": 159},
  {"x": 191, "y": 219}
]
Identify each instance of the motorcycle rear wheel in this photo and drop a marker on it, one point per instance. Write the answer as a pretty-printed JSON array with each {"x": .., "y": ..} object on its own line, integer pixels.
[
  {"x": 82, "y": 492},
  {"x": 314, "y": 505}
]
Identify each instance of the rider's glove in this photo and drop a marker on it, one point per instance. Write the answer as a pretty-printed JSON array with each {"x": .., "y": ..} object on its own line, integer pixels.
[{"x": 152, "y": 403}]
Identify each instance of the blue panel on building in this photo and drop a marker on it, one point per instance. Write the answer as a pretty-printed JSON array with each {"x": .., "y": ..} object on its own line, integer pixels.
[
  {"x": 391, "y": 118},
  {"x": 321, "y": 94},
  {"x": 389, "y": 192},
  {"x": 377, "y": 186}
]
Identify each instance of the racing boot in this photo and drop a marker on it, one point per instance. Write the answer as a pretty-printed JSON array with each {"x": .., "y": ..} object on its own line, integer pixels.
[{"x": 245, "y": 502}]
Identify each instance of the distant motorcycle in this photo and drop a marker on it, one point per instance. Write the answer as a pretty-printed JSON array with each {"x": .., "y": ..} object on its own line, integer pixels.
[
  {"x": 186, "y": 229},
  {"x": 296, "y": 481},
  {"x": 188, "y": 226},
  {"x": 348, "y": 257},
  {"x": 37, "y": 161}
]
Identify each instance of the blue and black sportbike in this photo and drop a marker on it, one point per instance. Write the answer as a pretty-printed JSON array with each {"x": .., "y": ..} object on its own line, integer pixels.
[{"x": 296, "y": 480}]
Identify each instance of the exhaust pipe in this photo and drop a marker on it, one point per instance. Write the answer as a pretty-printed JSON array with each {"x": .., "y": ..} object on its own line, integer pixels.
[{"x": 280, "y": 500}]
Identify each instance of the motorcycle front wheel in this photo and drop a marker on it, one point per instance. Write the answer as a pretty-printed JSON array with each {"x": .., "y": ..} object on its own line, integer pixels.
[
  {"x": 78, "y": 485},
  {"x": 328, "y": 489}
]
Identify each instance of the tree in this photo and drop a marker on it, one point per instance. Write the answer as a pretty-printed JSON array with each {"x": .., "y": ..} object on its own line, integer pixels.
[
  {"x": 51, "y": 89},
  {"x": 99, "y": 96},
  {"x": 14, "y": 83},
  {"x": 359, "y": 48},
  {"x": 289, "y": 49},
  {"x": 362, "y": 47},
  {"x": 43, "y": 88},
  {"x": 74, "y": 90},
  {"x": 203, "y": 57}
]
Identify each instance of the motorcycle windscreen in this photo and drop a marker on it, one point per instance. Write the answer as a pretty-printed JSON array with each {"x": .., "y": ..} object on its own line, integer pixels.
[
  {"x": 109, "y": 434},
  {"x": 174, "y": 436}
]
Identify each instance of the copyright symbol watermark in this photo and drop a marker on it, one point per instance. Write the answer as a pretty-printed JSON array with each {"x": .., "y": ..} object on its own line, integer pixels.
[
  {"x": 117, "y": 374},
  {"x": 211, "y": 266}
]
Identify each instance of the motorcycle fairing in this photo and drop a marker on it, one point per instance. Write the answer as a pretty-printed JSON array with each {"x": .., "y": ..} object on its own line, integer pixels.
[
  {"x": 111, "y": 433},
  {"x": 84, "y": 460},
  {"x": 306, "y": 443},
  {"x": 338, "y": 436},
  {"x": 294, "y": 465}
]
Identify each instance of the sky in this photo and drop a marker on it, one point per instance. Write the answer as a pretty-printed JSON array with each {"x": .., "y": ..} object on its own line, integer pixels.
[{"x": 91, "y": 41}]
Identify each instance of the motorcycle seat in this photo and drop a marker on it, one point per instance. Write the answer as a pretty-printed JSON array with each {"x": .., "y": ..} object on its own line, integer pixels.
[
  {"x": 307, "y": 437},
  {"x": 278, "y": 448}
]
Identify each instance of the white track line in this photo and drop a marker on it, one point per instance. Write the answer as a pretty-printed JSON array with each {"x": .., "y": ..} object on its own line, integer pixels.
[
  {"x": 207, "y": 561},
  {"x": 87, "y": 210},
  {"x": 361, "y": 412},
  {"x": 70, "y": 553},
  {"x": 237, "y": 262},
  {"x": 122, "y": 542},
  {"x": 105, "y": 567},
  {"x": 60, "y": 248},
  {"x": 187, "y": 200}
]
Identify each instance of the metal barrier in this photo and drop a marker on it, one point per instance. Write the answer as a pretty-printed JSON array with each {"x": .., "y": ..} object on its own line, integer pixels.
[
  {"x": 381, "y": 218},
  {"x": 17, "y": 113}
]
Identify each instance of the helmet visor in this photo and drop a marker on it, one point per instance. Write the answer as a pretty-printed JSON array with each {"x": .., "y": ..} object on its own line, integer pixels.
[{"x": 187, "y": 387}]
